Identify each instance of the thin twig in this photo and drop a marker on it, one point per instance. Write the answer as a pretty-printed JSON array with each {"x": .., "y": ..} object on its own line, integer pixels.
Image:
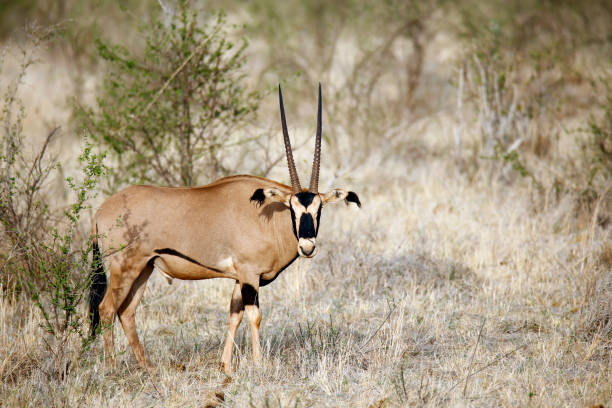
[
  {"x": 473, "y": 353},
  {"x": 174, "y": 74},
  {"x": 153, "y": 384},
  {"x": 378, "y": 329},
  {"x": 282, "y": 156},
  {"x": 487, "y": 366}
]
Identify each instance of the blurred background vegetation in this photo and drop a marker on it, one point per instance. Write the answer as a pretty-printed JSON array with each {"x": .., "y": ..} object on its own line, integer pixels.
[
  {"x": 521, "y": 70},
  {"x": 180, "y": 93}
]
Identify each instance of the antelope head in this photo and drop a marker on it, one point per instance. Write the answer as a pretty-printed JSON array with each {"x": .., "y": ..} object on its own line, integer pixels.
[{"x": 305, "y": 204}]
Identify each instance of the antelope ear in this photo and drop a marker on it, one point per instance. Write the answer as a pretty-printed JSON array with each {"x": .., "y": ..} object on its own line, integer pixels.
[
  {"x": 338, "y": 194},
  {"x": 261, "y": 194}
]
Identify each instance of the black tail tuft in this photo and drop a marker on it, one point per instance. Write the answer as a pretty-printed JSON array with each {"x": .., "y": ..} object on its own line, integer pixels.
[{"x": 97, "y": 288}]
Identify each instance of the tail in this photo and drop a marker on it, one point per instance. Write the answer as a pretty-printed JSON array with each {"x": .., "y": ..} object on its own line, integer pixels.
[{"x": 97, "y": 288}]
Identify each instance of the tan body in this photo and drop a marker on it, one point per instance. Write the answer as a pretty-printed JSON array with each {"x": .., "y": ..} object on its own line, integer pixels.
[
  {"x": 185, "y": 234},
  {"x": 244, "y": 228}
]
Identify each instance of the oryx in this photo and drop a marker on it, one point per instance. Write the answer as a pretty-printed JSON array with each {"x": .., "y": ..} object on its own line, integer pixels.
[{"x": 244, "y": 228}]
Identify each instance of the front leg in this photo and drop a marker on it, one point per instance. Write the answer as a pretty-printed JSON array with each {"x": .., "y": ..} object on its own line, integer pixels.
[
  {"x": 250, "y": 299},
  {"x": 236, "y": 312}
]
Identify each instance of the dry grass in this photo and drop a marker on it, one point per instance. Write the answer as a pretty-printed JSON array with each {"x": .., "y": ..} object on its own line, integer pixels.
[{"x": 439, "y": 291}]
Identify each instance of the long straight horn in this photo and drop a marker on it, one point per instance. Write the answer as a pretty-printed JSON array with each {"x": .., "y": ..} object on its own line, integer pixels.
[
  {"x": 316, "y": 162},
  {"x": 295, "y": 181}
]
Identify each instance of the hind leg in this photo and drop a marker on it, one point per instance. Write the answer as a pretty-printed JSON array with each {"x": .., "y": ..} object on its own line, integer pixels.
[
  {"x": 119, "y": 287},
  {"x": 107, "y": 317},
  {"x": 127, "y": 313}
]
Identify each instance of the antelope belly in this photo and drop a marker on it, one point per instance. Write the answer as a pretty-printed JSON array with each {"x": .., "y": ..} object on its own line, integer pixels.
[{"x": 176, "y": 267}]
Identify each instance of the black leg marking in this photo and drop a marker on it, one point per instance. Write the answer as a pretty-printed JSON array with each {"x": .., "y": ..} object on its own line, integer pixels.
[{"x": 249, "y": 295}]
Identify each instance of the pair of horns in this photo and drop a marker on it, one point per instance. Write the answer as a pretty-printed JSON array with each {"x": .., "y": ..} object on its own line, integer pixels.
[{"x": 314, "y": 178}]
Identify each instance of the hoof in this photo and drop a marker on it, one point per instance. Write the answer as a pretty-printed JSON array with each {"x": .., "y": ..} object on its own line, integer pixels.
[
  {"x": 110, "y": 363},
  {"x": 146, "y": 365},
  {"x": 226, "y": 368}
]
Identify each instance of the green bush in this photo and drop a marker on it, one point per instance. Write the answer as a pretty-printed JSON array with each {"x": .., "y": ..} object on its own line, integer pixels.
[
  {"x": 167, "y": 115},
  {"x": 42, "y": 255}
]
